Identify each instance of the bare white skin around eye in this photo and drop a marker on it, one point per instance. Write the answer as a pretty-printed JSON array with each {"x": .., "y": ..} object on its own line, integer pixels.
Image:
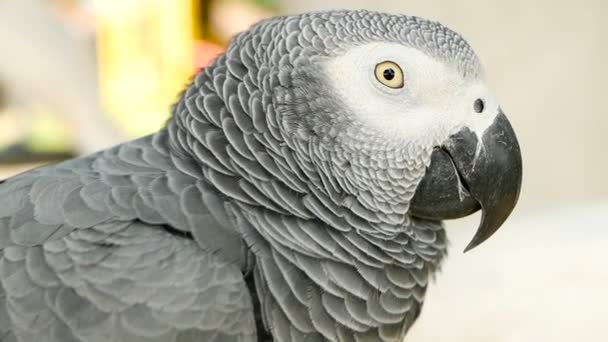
[{"x": 435, "y": 101}]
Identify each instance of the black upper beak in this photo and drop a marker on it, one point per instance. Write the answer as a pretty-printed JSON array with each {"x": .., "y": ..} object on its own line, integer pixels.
[{"x": 466, "y": 174}]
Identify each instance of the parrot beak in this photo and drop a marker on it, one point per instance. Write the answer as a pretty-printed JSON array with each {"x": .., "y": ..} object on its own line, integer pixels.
[{"x": 466, "y": 175}]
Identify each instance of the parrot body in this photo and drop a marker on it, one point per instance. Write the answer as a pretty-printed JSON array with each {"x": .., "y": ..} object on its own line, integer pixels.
[
  {"x": 101, "y": 249},
  {"x": 270, "y": 208}
]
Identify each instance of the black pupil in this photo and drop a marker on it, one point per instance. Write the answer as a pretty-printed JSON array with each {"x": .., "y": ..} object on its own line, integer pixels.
[
  {"x": 388, "y": 74},
  {"x": 478, "y": 106}
]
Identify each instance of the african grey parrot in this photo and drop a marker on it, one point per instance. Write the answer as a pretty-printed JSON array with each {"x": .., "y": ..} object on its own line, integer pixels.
[{"x": 296, "y": 194}]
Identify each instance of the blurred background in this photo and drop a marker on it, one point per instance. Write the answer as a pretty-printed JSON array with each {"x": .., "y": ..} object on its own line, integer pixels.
[{"x": 80, "y": 75}]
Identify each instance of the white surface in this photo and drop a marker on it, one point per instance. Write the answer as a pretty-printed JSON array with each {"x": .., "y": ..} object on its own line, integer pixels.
[{"x": 542, "y": 277}]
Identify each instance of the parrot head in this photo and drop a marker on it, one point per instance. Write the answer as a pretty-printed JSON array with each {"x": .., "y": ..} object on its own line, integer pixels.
[
  {"x": 395, "y": 112},
  {"x": 434, "y": 102}
]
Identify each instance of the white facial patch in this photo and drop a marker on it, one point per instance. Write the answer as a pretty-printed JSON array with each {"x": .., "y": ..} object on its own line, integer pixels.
[{"x": 435, "y": 101}]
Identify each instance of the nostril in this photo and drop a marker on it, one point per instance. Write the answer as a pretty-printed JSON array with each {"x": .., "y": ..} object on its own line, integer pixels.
[{"x": 478, "y": 106}]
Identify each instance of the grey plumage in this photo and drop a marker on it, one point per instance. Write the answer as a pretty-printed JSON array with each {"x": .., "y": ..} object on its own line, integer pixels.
[
  {"x": 262, "y": 192},
  {"x": 87, "y": 256}
]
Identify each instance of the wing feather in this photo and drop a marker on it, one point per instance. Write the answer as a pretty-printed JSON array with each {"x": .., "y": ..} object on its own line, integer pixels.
[{"x": 90, "y": 253}]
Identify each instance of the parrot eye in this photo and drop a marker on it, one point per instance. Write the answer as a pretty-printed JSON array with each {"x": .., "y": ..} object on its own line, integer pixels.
[{"x": 390, "y": 74}]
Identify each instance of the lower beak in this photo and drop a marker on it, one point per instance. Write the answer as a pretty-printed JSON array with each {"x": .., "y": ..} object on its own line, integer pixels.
[{"x": 467, "y": 174}]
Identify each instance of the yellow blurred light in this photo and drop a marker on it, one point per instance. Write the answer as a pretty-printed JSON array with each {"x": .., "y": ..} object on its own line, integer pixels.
[{"x": 145, "y": 55}]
